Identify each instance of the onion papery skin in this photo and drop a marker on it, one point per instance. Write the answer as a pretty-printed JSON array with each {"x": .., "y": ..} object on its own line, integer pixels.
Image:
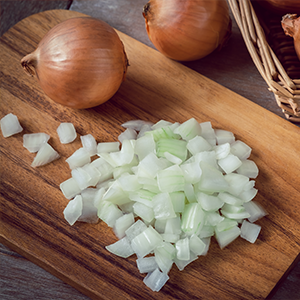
[
  {"x": 187, "y": 30},
  {"x": 80, "y": 63},
  {"x": 291, "y": 27}
]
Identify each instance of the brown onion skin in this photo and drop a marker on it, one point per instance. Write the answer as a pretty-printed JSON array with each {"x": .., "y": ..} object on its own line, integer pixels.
[
  {"x": 280, "y": 7},
  {"x": 291, "y": 27},
  {"x": 80, "y": 63},
  {"x": 187, "y": 30}
]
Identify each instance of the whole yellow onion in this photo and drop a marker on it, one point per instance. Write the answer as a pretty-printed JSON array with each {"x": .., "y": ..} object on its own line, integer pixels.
[
  {"x": 187, "y": 30},
  {"x": 79, "y": 63}
]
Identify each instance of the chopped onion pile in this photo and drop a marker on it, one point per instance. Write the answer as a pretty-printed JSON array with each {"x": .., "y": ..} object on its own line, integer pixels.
[
  {"x": 165, "y": 191},
  {"x": 10, "y": 125}
]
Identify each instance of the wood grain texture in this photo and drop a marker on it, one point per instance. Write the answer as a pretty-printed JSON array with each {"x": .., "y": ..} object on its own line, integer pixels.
[{"x": 156, "y": 88}]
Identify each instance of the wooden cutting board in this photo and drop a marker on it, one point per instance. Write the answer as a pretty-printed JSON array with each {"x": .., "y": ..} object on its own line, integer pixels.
[{"x": 32, "y": 204}]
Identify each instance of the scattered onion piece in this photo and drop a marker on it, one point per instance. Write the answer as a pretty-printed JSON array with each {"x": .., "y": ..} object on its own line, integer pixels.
[
  {"x": 66, "y": 133},
  {"x": 33, "y": 141},
  {"x": 45, "y": 155},
  {"x": 10, "y": 125}
]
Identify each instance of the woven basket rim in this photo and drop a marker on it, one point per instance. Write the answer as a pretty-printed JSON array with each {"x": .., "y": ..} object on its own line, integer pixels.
[{"x": 285, "y": 89}]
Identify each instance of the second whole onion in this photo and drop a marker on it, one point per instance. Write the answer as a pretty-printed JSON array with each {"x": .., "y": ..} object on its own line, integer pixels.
[
  {"x": 80, "y": 63},
  {"x": 187, "y": 30}
]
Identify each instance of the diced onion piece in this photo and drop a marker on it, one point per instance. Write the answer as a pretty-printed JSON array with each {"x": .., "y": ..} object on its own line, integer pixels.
[
  {"x": 135, "y": 229},
  {"x": 164, "y": 263},
  {"x": 178, "y": 201},
  {"x": 128, "y": 134},
  {"x": 255, "y": 210},
  {"x": 146, "y": 241},
  {"x": 116, "y": 195},
  {"x": 234, "y": 212},
  {"x": 226, "y": 224},
  {"x": 171, "y": 179},
  {"x": 240, "y": 149},
  {"x": 197, "y": 246},
  {"x": 109, "y": 213},
  {"x": 172, "y": 146},
  {"x": 213, "y": 218},
  {"x": 129, "y": 182},
  {"x": 82, "y": 177},
  {"x": 93, "y": 172},
  {"x": 198, "y": 144},
  {"x": 10, "y": 125},
  {"x": 225, "y": 237},
  {"x": 208, "y": 133},
  {"x": 142, "y": 196},
  {"x": 248, "y": 168},
  {"x": 250, "y": 231},
  {"x": 181, "y": 264},
  {"x": 33, "y": 141},
  {"x": 106, "y": 147},
  {"x": 105, "y": 169},
  {"x": 89, "y": 143},
  {"x": 236, "y": 183},
  {"x": 224, "y": 136},
  {"x": 192, "y": 219},
  {"x": 230, "y": 199},
  {"x": 229, "y": 163},
  {"x": 89, "y": 210},
  {"x": 124, "y": 156},
  {"x": 121, "y": 248},
  {"x": 156, "y": 280},
  {"x": 136, "y": 125},
  {"x": 45, "y": 155},
  {"x": 207, "y": 231},
  {"x": 172, "y": 158},
  {"x": 191, "y": 172},
  {"x": 183, "y": 249},
  {"x": 66, "y": 133},
  {"x": 73, "y": 210},
  {"x": 209, "y": 202},
  {"x": 222, "y": 150},
  {"x": 212, "y": 180},
  {"x": 144, "y": 146},
  {"x": 162, "y": 206},
  {"x": 143, "y": 211},
  {"x": 170, "y": 237},
  {"x": 161, "y": 124},
  {"x": 79, "y": 158},
  {"x": 173, "y": 225},
  {"x": 70, "y": 188},
  {"x": 146, "y": 264},
  {"x": 248, "y": 195},
  {"x": 122, "y": 224},
  {"x": 188, "y": 129}
]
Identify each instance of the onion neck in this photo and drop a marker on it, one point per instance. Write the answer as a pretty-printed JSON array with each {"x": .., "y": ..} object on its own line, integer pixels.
[{"x": 29, "y": 63}]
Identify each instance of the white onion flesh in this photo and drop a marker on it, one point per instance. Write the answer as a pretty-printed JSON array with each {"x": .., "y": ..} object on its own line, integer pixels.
[
  {"x": 33, "y": 141},
  {"x": 10, "y": 125},
  {"x": 45, "y": 155},
  {"x": 166, "y": 192},
  {"x": 89, "y": 143},
  {"x": 66, "y": 133}
]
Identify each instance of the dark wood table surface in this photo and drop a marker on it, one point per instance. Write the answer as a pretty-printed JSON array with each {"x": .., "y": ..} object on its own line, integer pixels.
[{"x": 232, "y": 68}]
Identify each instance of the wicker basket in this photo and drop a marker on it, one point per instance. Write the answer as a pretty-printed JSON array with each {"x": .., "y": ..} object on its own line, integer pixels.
[{"x": 282, "y": 79}]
